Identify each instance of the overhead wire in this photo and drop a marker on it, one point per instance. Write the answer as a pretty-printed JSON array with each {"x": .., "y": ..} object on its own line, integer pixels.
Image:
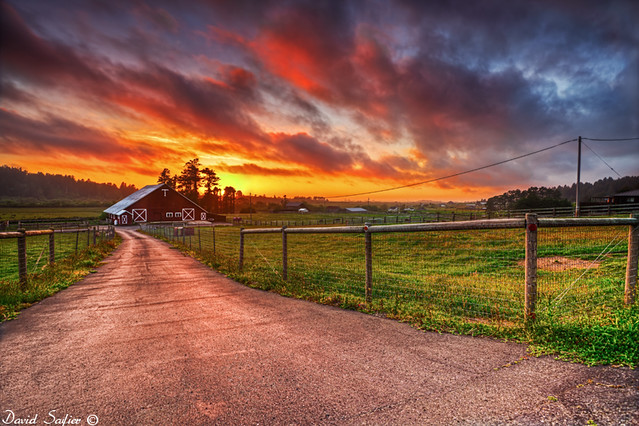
[
  {"x": 611, "y": 140},
  {"x": 455, "y": 174},
  {"x": 604, "y": 161}
]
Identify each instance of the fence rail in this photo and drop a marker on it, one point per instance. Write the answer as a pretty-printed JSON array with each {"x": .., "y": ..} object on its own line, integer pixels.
[
  {"x": 443, "y": 216},
  {"x": 31, "y": 248},
  {"x": 505, "y": 269}
]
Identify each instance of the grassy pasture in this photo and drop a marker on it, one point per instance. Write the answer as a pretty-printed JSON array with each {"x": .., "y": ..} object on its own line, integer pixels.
[
  {"x": 37, "y": 252},
  {"x": 45, "y": 213},
  {"x": 468, "y": 282}
]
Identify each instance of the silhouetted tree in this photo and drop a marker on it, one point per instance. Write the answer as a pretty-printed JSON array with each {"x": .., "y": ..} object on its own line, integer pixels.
[
  {"x": 188, "y": 182},
  {"x": 229, "y": 199},
  {"x": 165, "y": 177},
  {"x": 216, "y": 200},
  {"x": 209, "y": 182}
]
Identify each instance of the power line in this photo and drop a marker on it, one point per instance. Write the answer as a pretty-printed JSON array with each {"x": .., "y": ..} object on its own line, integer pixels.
[
  {"x": 604, "y": 161},
  {"x": 455, "y": 174},
  {"x": 611, "y": 140}
]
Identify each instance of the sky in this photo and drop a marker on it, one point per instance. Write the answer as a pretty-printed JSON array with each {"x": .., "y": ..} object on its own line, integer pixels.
[{"x": 322, "y": 98}]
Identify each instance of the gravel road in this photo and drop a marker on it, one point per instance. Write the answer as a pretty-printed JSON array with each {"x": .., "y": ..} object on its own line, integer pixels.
[{"x": 154, "y": 337}]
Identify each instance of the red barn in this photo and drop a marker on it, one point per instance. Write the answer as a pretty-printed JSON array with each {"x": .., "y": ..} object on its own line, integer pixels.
[{"x": 155, "y": 203}]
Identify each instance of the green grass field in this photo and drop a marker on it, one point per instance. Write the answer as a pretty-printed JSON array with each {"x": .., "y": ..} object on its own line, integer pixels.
[
  {"x": 44, "y": 213},
  {"x": 38, "y": 252},
  {"x": 315, "y": 218},
  {"x": 468, "y": 282}
]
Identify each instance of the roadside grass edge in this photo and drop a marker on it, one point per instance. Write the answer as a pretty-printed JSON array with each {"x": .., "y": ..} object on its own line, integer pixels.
[{"x": 52, "y": 278}]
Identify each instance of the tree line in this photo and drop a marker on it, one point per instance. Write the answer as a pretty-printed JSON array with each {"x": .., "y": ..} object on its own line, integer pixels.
[
  {"x": 560, "y": 196},
  {"x": 194, "y": 177},
  {"x": 19, "y": 187}
]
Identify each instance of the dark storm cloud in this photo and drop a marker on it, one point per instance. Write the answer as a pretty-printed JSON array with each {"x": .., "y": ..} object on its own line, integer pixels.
[
  {"x": 25, "y": 54},
  {"x": 457, "y": 83},
  {"x": 57, "y": 135}
]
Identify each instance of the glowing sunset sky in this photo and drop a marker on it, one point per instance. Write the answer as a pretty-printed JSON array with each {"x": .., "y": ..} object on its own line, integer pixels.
[{"x": 321, "y": 97}]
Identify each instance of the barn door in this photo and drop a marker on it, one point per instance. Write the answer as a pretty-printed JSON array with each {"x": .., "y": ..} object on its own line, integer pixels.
[
  {"x": 139, "y": 215},
  {"x": 188, "y": 214}
]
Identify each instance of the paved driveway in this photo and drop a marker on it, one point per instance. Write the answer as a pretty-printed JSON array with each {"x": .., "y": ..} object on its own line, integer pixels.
[{"x": 154, "y": 337}]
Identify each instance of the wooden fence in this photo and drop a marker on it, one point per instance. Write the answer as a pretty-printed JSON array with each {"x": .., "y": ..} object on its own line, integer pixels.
[
  {"x": 443, "y": 216},
  {"x": 531, "y": 223},
  {"x": 22, "y": 236}
]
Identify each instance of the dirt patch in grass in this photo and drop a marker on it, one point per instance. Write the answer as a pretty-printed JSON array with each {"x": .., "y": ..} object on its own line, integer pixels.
[{"x": 560, "y": 263}]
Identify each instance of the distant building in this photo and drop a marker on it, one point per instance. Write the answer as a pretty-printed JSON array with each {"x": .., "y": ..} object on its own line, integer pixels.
[
  {"x": 155, "y": 203},
  {"x": 356, "y": 210},
  {"x": 294, "y": 206},
  {"x": 628, "y": 197}
]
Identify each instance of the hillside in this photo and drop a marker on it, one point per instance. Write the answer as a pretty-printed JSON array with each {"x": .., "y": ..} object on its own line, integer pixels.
[{"x": 21, "y": 188}]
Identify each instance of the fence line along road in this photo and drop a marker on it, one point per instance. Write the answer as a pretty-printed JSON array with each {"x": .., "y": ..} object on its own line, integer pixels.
[
  {"x": 446, "y": 216},
  {"x": 22, "y": 236},
  {"x": 531, "y": 223},
  {"x": 483, "y": 268}
]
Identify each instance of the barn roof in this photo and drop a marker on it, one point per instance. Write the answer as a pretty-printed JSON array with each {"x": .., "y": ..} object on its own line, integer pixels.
[
  {"x": 133, "y": 198},
  {"x": 628, "y": 193}
]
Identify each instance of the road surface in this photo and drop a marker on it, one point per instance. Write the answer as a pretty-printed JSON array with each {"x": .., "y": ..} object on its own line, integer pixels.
[{"x": 154, "y": 337}]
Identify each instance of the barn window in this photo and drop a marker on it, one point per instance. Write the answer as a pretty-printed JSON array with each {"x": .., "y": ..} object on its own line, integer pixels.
[
  {"x": 169, "y": 214},
  {"x": 178, "y": 214}
]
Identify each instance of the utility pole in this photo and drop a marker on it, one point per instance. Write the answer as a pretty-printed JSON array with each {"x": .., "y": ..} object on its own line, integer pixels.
[{"x": 577, "y": 207}]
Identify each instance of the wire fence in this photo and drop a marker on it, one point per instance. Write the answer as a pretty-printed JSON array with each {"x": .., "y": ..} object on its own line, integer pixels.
[
  {"x": 470, "y": 273},
  {"x": 290, "y": 219},
  {"x": 478, "y": 270},
  {"x": 582, "y": 270},
  {"x": 42, "y": 247}
]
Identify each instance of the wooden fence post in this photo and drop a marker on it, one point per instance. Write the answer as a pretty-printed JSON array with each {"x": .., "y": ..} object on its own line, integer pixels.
[
  {"x": 631, "y": 266},
  {"x": 241, "y": 263},
  {"x": 22, "y": 258},
  {"x": 94, "y": 235},
  {"x": 284, "y": 254},
  {"x": 368, "y": 247},
  {"x": 52, "y": 247},
  {"x": 530, "y": 297}
]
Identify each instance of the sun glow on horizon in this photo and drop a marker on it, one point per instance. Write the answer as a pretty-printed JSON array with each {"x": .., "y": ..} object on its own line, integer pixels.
[{"x": 317, "y": 99}]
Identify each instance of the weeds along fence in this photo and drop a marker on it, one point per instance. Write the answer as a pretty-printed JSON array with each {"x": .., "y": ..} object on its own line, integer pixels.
[
  {"x": 500, "y": 270},
  {"x": 23, "y": 252}
]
